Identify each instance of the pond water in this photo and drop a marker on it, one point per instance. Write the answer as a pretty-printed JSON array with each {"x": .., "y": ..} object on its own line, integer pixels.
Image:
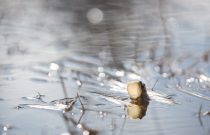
[{"x": 64, "y": 67}]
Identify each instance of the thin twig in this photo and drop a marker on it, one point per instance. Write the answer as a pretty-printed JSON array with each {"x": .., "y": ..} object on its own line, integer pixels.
[
  {"x": 69, "y": 106},
  {"x": 78, "y": 96},
  {"x": 199, "y": 115},
  {"x": 83, "y": 108},
  {"x": 63, "y": 87},
  {"x": 155, "y": 84},
  {"x": 39, "y": 96}
]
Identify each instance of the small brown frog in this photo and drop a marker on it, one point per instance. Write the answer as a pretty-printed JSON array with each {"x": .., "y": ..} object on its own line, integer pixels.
[
  {"x": 139, "y": 100},
  {"x": 136, "y": 89}
]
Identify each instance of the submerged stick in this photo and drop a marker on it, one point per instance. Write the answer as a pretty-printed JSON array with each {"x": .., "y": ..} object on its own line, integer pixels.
[{"x": 63, "y": 87}]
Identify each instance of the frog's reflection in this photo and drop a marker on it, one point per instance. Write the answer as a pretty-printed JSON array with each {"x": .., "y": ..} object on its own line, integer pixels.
[{"x": 137, "y": 108}]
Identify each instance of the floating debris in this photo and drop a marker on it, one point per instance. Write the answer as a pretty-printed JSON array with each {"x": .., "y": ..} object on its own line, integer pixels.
[
  {"x": 18, "y": 107},
  {"x": 55, "y": 107},
  {"x": 38, "y": 97},
  {"x": 161, "y": 98},
  {"x": 207, "y": 113},
  {"x": 64, "y": 105}
]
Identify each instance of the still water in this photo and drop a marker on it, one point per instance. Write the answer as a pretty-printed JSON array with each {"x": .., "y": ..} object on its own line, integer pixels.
[{"x": 64, "y": 67}]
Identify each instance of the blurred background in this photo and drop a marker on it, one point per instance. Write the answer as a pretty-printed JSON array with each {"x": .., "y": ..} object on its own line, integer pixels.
[{"x": 122, "y": 30}]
